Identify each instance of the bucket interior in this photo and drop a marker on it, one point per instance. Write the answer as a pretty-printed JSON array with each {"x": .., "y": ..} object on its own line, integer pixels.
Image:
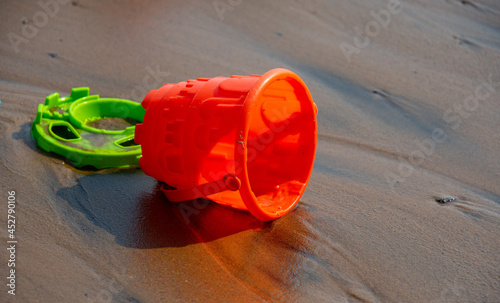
[{"x": 281, "y": 145}]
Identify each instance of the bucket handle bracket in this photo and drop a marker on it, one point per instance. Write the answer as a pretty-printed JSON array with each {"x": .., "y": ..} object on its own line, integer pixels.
[{"x": 228, "y": 182}]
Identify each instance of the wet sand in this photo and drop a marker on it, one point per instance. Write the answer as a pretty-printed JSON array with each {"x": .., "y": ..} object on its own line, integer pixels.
[{"x": 408, "y": 113}]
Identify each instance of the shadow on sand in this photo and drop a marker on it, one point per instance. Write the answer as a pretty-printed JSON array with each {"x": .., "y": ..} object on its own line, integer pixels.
[{"x": 131, "y": 206}]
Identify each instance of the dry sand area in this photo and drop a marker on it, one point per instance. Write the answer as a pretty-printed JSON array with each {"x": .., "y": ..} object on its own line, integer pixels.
[{"x": 408, "y": 97}]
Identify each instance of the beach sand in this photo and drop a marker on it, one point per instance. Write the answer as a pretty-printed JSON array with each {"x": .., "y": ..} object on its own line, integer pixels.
[{"x": 408, "y": 113}]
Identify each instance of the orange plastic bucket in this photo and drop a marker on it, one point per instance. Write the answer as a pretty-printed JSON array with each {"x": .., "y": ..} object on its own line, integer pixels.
[{"x": 245, "y": 141}]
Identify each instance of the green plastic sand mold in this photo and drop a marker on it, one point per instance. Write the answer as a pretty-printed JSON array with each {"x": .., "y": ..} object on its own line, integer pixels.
[{"x": 88, "y": 130}]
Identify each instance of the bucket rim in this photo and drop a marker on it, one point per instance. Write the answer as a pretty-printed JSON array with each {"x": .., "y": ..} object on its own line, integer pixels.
[{"x": 242, "y": 130}]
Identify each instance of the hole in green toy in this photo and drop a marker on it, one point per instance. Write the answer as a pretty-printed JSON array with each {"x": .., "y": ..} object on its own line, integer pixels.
[
  {"x": 63, "y": 131},
  {"x": 128, "y": 143},
  {"x": 112, "y": 123}
]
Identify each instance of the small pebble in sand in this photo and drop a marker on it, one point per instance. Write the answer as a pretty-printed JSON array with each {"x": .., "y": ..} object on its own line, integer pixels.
[
  {"x": 53, "y": 55},
  {"x": 446, "y": 199}
]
